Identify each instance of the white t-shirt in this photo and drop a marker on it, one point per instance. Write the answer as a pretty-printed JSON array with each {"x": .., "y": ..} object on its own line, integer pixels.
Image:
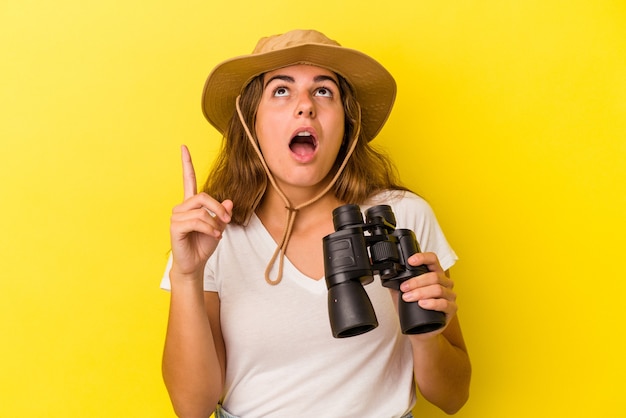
[{"x": 282, "y": 360}]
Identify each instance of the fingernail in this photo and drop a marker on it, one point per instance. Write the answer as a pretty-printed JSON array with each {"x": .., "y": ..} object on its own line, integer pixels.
[{"x": 426, "y": 303}]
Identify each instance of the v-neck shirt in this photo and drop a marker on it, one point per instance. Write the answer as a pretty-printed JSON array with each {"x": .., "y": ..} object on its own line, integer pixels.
[{"x": 282, "y": 359}]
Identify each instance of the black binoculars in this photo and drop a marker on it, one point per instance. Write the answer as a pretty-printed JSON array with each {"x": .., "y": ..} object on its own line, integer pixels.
[{"x": 348, "y": 267}]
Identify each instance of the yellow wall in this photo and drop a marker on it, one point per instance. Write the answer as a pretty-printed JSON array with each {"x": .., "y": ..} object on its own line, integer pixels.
[{"x": 510, "y": 119}]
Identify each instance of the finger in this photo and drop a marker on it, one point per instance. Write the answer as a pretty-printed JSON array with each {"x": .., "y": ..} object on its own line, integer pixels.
[
  {"x": 221, "y": 211},
  {"x": 449, "y": 307},
  {"x": 190, "y": 186},
  {"x": 429, "y": 259},
  {"x": 430, "y": 293},
  {"x": 202, "y": 206},
  {"x": 228, "y": 206},
  {"x": 427, "y": 279},
  {"x": 198, "y": 220}
]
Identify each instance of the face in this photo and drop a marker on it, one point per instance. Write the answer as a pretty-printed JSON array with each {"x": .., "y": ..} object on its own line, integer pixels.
[{"x": 300, "y": 124}]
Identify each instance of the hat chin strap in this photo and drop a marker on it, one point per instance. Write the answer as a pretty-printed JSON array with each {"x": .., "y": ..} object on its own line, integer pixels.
[{"x": 281, "y": 249}]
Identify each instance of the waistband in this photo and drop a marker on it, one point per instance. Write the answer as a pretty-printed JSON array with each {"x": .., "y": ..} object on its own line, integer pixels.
[{"x": 222, "y": 413}]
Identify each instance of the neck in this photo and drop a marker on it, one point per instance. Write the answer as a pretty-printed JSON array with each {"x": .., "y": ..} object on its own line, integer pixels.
[{"x": 273, "y": 206}]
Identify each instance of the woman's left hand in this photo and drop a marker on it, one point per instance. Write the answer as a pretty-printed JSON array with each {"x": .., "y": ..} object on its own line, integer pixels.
[
  {"x": 432, "y": 290},
  {"x": 441, "y": 365}
]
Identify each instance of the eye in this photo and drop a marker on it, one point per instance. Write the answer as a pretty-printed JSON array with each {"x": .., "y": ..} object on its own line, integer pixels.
[
  {"x": 281, "y": 92},
  {"x": 324, "y": 92}
]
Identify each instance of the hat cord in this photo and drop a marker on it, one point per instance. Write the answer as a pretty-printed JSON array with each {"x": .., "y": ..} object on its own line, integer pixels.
[{"x": 281, "y": 249}]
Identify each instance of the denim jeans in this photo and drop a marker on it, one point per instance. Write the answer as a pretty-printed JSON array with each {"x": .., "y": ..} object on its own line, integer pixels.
[{"x": 222, "y": 413}]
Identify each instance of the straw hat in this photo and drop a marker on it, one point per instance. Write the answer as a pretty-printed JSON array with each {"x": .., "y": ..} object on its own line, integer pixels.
[{"x": 375, "y": 88}]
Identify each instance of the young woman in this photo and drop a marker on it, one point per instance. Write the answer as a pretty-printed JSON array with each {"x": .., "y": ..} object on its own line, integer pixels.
[{"x": 248, "y": 332}]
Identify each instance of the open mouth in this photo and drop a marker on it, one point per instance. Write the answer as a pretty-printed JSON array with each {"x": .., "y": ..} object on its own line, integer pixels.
[{"x": 303, "y": 144}]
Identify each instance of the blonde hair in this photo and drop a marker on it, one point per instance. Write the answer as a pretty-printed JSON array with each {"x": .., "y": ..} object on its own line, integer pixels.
[{"x": 238, "y": 174}]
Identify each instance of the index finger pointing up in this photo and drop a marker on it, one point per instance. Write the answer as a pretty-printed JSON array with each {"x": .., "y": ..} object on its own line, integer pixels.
[{"x": 190, "y": 186}]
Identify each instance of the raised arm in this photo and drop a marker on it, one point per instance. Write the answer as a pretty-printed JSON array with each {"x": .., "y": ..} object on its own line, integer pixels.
[{"x": 194, "y": 358}]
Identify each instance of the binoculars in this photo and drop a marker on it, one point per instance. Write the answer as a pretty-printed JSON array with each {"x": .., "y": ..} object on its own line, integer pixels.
[{"x": 348, "y": 266}]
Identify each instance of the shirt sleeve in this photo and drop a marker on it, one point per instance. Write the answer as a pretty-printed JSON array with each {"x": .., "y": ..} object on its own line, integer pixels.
[
  {"x": 413, "y": 212},
  {"x": 165, "y": 280}
]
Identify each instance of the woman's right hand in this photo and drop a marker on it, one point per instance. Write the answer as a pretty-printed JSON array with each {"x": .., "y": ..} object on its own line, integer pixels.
[{"x": 196, "y": 226}]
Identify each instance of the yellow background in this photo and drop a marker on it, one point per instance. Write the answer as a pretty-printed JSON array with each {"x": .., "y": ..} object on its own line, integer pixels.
[{"x": 510, "y": 120}]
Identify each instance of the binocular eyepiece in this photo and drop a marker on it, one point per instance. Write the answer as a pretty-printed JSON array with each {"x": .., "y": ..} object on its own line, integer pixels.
[{"x": 348, "y": 266}]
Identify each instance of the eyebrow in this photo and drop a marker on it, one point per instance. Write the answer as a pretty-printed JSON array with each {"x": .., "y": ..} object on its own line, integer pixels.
[{"x": 289, "y": 79}]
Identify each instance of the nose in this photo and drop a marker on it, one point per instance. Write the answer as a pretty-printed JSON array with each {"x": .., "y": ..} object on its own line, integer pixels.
[{"x": 305, "y": 107}]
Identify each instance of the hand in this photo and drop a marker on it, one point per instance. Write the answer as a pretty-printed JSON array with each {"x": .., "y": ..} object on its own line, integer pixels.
[
  {"x": 196, "y": 225},
  {"x": 432, "y": 290}
]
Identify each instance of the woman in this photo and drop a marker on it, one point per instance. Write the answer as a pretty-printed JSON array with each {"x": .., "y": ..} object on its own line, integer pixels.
[{"x": 248, "y": 331}]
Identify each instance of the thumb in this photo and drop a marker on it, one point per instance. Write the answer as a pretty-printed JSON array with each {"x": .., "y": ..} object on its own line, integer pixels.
[{"x": 228, "y": 205}]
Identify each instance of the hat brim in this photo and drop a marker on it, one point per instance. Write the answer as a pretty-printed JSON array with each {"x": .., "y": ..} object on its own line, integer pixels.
[{"x": 374, "y": 86}]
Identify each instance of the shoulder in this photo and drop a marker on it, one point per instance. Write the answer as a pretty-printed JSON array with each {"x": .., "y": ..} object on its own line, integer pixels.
[
  {"x": 414, "y": 212},
  {"x": 402, "y": 202}
]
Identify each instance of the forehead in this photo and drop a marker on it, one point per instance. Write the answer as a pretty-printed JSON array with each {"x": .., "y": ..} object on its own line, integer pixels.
[{"x": 304, "y": 71}]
